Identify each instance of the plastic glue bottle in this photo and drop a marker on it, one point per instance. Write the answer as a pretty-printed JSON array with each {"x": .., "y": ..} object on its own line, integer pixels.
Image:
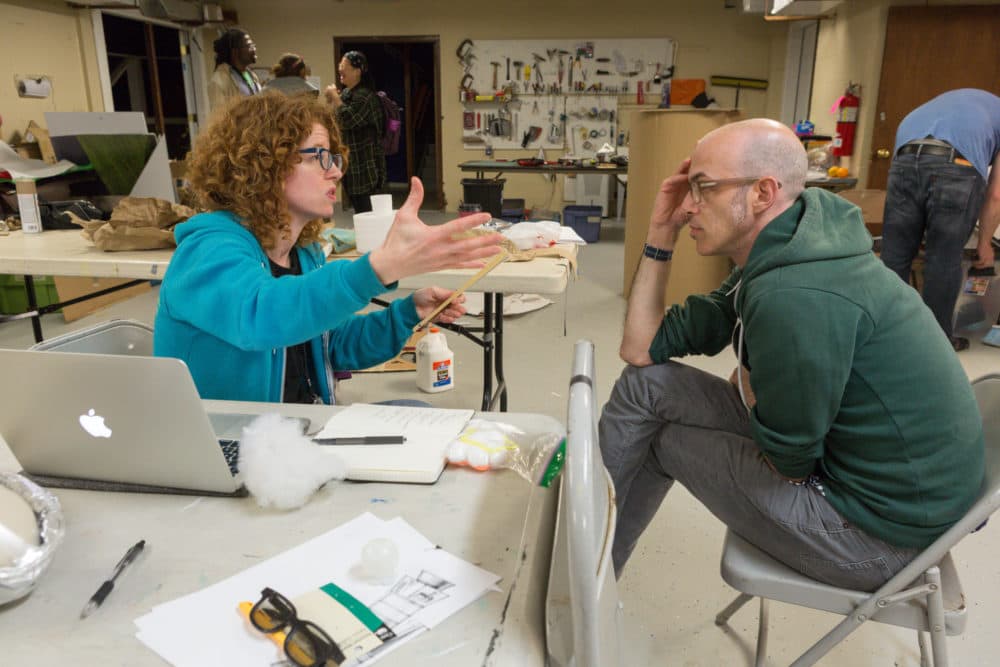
[{"x": 435, "y": 363}]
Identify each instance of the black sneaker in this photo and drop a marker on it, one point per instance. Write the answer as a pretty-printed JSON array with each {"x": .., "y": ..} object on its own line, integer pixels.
[{"x": 959, "y": 344}]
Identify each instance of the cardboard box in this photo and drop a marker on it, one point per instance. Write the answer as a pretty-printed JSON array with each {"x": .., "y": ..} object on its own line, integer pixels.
[
  {"x": 71, "y": 287},
  {"x": 872, "y": 205}
]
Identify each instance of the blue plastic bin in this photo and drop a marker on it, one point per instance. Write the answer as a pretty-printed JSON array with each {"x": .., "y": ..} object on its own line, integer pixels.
[{"x": 585, "y": 221}]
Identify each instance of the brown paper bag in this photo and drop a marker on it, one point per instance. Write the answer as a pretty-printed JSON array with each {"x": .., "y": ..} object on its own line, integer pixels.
[{"x": 137, "y": 223}]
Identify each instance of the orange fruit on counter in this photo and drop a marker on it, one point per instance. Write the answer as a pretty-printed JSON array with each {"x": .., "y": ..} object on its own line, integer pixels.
[
  {"x": 832, "y": 172},
  {"x": 842, "y": 172}
]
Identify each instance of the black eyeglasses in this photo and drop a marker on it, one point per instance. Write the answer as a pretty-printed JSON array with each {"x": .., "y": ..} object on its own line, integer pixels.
[
  {"x": 698, "y": 187},
  {"x": 325, "y": 158},
  {"x": 306, "y": 644}
]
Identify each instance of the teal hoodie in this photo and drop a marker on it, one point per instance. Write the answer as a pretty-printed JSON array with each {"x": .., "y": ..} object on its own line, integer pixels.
[
  {"x": 854, "y": 380},
  {"x": 230, "y": 320}
]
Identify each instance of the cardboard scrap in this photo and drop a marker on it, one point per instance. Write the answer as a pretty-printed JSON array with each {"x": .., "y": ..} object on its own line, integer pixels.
[
  {"x": 37, "y": 136},
  {"x": 404, "y": 361}
]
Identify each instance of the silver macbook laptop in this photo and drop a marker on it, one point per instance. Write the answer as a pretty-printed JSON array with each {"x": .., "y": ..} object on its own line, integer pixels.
[{"x": 115, "y": 422}]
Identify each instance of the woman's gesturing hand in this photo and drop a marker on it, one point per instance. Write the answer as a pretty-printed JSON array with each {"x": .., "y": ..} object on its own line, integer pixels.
[
  {"x": 429, "y": 298},
  {"x": 412, "y": 248}
]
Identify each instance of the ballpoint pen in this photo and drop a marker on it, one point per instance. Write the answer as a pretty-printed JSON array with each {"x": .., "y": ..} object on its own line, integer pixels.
[
  {"x": 98, "y": 598},
  {"x": 363, "y": 440}
]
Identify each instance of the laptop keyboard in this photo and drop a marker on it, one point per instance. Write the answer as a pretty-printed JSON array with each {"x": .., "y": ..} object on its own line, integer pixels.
[{"x": 231, "y": 450}]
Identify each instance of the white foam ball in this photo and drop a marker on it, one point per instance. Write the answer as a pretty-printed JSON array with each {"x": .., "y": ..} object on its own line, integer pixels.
[
  {"x": 498, "y": 458},
  {"x": 379, "y": 560},
  {"x": 456, "y": 452},
  {"x": 478, "y": 458}
]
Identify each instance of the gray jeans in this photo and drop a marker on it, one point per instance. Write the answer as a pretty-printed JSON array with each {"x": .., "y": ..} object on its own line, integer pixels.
[{"x": 673, "y": 422}]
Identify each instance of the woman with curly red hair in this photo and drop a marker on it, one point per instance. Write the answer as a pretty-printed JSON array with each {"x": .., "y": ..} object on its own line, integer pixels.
[{"x": 249, "y": 302}]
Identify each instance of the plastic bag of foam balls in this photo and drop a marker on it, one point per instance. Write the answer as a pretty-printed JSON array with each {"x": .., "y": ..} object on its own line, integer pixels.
[
  {"x": 281, "y": 467},
  {"x": 485, "y": 445}
]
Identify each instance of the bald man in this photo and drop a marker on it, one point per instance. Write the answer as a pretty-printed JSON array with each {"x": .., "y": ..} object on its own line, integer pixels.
[{"x": 848, "y": 438}]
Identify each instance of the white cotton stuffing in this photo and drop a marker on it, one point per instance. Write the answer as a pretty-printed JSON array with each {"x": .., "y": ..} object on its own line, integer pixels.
[{"x": 280, "y": 466}]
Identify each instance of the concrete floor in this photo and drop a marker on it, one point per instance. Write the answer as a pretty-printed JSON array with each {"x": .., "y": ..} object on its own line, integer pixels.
[{"x": 671, "y": 589}]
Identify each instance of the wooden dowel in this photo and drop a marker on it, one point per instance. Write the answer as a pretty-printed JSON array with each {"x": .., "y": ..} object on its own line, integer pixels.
[{"x": 494, "y": 262}]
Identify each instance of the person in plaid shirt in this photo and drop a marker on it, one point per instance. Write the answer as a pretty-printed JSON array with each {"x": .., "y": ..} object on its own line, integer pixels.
[{"x": 360, "y": 117}]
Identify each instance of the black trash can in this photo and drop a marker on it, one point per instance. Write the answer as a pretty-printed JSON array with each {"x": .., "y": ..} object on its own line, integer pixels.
[{"x": 487, "y": 192}]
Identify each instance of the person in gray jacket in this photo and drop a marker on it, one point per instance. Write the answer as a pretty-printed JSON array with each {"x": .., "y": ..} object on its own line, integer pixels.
[{"x": 290, "y": 74}]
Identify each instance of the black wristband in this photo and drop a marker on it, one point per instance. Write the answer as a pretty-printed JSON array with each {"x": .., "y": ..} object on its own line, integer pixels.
[{"x": 659, "y": 254}]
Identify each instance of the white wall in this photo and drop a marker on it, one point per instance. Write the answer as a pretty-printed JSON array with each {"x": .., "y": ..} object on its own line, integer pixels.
[
  {"x": 711, "y": 41},
  {"x": 849, "y": 48},
  {"x": 45, "y": 37}
]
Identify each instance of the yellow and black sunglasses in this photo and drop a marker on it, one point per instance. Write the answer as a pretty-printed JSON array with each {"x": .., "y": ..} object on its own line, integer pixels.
[{"x": 306, "y": 644}]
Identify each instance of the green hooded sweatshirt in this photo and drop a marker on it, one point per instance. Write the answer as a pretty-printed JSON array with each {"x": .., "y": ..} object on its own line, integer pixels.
[{"x": 855, "y": 382}]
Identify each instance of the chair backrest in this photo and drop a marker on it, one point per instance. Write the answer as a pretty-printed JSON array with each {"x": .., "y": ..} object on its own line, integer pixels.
[
  {"x": 587, "y": 518},
  {"x": 987, "y": 391}
]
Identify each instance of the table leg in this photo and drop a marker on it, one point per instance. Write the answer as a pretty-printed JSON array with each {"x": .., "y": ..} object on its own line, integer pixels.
[
  {"x": 35, "y": 313},
  {"x": 36, "y": 319},
  {"x": 498, "y": 354},
  {"x": 487, "y": 350}
]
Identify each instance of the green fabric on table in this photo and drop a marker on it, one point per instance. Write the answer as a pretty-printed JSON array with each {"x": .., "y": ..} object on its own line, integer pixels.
[{"x": 118, "y": 159}]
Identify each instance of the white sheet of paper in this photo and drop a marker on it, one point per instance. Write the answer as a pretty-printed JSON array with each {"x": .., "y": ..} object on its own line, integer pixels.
[
  {"x": 569, "y": 235},
  {"x": 20, "y": 167},
  {"x": 205, "y": 628}
]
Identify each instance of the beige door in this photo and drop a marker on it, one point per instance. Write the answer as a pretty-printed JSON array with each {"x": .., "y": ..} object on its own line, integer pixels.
[{"x": 929, "y": 50}]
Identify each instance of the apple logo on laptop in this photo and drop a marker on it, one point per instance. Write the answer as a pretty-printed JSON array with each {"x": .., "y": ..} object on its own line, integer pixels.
[{"x": 94, "y": 425}]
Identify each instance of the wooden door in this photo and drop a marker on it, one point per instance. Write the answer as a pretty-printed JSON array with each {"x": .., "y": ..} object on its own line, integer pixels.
[{"x": 930, "y": 50}]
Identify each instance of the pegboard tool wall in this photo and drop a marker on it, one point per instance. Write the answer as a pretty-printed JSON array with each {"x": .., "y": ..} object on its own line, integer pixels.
[{"x": 560, "y": 93}]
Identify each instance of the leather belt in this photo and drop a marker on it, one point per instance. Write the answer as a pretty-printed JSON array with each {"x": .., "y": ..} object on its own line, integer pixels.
[{"x": 938, "y": 148}]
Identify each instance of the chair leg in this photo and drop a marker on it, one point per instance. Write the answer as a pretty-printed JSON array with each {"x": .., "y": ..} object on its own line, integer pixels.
[
  {"x": 762, "y": 625},
  {"x": 935, "y": 617},
  {"x": 723, "y": 616},
  {"x": 925, "y": 658}
]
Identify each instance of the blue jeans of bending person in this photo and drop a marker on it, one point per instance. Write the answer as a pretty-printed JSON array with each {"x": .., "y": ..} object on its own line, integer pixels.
[
  {"x": 931, "y": 199},
  {"x": 671, "y": 422}
]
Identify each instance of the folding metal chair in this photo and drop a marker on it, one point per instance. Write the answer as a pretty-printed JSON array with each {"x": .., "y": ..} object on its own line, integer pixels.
[
  {"x": 925, "y": 596},
  {"x": 582, "y": 616}
]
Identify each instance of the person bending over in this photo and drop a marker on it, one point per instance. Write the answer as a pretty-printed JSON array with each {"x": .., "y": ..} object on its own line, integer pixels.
[
  {"x": 940, "y": 184},
  {"x": 848, "y": 438},
  {"x": 249, "y": 301}
]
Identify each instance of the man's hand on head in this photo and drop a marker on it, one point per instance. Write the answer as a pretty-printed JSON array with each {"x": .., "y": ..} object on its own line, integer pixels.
[{"x": 668, "y": 216}]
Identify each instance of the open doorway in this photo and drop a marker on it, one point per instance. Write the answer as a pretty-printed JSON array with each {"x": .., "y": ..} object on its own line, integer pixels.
[
  {"x": 147, "y": 74},
  {"x": 408, "y": 70}
]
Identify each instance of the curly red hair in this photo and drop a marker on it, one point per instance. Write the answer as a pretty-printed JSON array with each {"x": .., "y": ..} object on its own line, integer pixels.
[{"x": 241, "y": 161}]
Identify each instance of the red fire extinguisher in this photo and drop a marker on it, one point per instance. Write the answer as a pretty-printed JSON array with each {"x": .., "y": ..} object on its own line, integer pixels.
[{"x": 846, "y": 109}]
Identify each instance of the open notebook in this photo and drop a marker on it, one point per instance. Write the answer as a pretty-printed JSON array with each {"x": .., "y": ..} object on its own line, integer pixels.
[{"x": 420, "y": 459}]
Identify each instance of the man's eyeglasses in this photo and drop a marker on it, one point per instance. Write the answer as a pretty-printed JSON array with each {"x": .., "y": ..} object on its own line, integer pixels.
[
  {"x": 325, "y": 158},
  {"x": 306, "y": 644},
  {"x": 698, "y": 187}
]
